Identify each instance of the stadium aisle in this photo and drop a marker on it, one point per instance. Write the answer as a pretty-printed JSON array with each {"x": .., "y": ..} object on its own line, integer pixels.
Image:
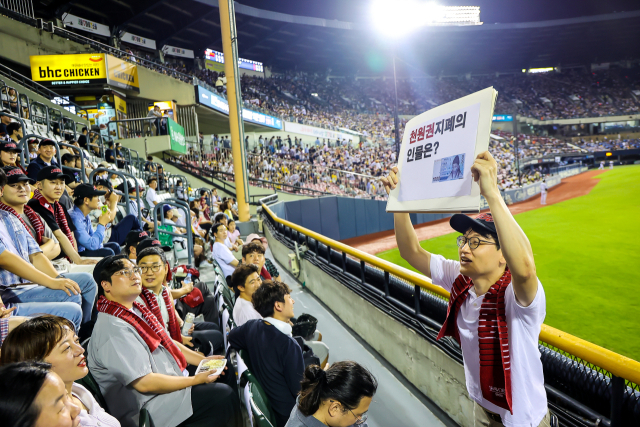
[{"x": 394, "y": 404}]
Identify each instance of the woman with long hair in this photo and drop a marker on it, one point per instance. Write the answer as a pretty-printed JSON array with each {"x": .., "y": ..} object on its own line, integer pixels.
[
  {"x": 33, "y": 396},
  {"x": 52, "y": 339},
  {"x": 337, "y": 397}
]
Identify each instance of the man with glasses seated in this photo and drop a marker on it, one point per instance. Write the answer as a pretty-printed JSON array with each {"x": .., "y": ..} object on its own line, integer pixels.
[
  {"x": 138, "y": 365},
  {"x": 496, "y": 307}
]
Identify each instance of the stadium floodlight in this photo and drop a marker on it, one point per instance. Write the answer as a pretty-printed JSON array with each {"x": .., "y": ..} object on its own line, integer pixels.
[{"x": 401, "y": 17}]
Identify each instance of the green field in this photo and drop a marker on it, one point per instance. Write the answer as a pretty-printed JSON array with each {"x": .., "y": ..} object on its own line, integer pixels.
[{"x": 587, "y": 253}]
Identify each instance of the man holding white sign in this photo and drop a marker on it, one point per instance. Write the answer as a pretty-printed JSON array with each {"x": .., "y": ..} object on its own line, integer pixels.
[{"x": 497, "y": 304}]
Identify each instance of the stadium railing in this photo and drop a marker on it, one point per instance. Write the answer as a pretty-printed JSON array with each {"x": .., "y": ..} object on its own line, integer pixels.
[{"x": 579, "y": 376}]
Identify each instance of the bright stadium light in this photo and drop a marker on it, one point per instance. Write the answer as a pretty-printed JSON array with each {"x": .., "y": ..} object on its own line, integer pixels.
[{"x": 404, "y": 16}]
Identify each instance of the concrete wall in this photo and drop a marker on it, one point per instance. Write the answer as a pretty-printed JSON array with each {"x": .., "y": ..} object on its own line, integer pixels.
[{"x": 427, "y": 367}]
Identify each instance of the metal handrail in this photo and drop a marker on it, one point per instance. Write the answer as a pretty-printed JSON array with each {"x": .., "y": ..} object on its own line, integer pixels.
[
  {"x": 124, "y": 177},
  {"x": 187, "y": 220},
  {"x": 82, "y": 169},
  {"x": 619, "y": 365}
]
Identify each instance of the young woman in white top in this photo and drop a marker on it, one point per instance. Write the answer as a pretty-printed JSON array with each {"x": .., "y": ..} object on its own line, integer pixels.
[{"x": 58, "y": 345}]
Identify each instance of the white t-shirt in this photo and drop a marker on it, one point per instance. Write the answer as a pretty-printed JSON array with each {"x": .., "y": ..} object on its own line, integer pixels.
[
  {"x": 152, "y": 196},
  {"x": 224, "y": 257},
  {"x": 243, "y": 311},
  {"x": 529, "y": 399}
]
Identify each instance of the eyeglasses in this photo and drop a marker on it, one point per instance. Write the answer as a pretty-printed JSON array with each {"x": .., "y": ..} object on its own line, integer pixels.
[
  {"x": 154, "y": 268},
  {"x": 359, "y": 419},
  {"x": 130, "y": 273},
  {"x": 474, "y": 242}
]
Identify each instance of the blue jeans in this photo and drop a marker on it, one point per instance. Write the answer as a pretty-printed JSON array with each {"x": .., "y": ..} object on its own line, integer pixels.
[
  {"x": 122, "y": 228},
  {"x": 40, "y": 300},
  {"x": 109, "y": 248}
]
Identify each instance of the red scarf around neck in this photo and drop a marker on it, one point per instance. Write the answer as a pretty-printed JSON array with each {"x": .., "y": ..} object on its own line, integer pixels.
[
  {"x": 58, "y": 213},
  {"x": 152, "y": 303},
  {"x": 493, "y": 333},
  {"x": 34, "y": 218},
  {"x": 150, "y": 330}
]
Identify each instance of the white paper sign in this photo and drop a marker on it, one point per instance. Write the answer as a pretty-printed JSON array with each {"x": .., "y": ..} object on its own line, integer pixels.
[
  {"x": 440, "y": 154},
  {"x": 177, "y": 51},
  {"x": 438, "y": 149}
]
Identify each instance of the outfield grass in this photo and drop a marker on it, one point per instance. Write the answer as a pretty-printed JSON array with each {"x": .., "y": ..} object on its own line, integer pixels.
[{"x": 587, "y": 253}]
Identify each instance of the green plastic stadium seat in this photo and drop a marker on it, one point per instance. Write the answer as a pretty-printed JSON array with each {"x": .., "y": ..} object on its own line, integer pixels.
[
  {"x": 145, "y": 419},
  {"x": 90, "y": 384},
  {"x": 260, "y": 407}
]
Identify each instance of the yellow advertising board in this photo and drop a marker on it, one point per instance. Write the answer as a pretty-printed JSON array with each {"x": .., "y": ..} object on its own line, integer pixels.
[
  {"x": 122, "y": 74},
  {"x": 213, "y": 66},
  {"x": 66, "y": 70}
]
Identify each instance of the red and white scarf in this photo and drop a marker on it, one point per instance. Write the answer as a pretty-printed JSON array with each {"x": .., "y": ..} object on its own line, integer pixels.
[
  {"x": 152, "y": 303},
  {"x": 150, "y": 330},
  {"x": 493, "y": 333},
  {"x": 34, "y": 218},
  {"x": 58, "y": 213}
]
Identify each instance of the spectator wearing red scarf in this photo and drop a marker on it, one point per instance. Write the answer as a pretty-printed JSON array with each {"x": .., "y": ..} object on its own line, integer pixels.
[
  {"x": 496, "y": 304},
  {"x": 136, "y": 363}
]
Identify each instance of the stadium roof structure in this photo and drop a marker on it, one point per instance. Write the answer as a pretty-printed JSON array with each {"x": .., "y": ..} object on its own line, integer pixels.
[{"x": 285, "y": 41}]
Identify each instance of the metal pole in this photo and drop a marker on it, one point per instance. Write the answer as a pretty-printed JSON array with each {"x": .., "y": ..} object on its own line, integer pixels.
[
  {"x": 515, "y": 146},
  {"x": 234, "y": 97},
  {"x": 395, "y": 110}
]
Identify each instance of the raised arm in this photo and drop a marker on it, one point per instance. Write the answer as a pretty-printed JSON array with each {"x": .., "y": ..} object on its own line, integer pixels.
[
  {"x": 514, "y": 243},
  {"x": 406, "y": 238}
]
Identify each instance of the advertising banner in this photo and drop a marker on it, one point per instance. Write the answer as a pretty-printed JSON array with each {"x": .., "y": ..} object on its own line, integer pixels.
[
  {"x": 63, "y": 70},
  {"x": 211, "y": 100},
  {"x": 177, "y": 51},
  {"x": 214, "y": 66},
  {"x": 176, "y": 135},
  {"x": 122, "y": 74},
  {"x": 74, "y": 21},
  {"x": 319, "y": 132},
  {"x": 139, "y": 41}
]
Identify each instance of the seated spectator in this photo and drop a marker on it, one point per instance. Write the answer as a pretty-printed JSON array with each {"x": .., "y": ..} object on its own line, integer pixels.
[
  {"x": 83, "y": 139},
  {"x": 15, "y": 196},
  {"x": 68, "y": 164},
  {"x": 275, "y": 357},
  {"x": 51, "y": 339},
  {"x": 14, "y": 132},
  {"x": 9, "y": 153},
  {"x": 115, "y": 232},
  {"x": 30, "y": 395},
  {"x": 110, "y": 154},
  {"x": 134, "y": 206},
  {"x": 339, "y": 396},
  {"x": 253, "y": 253},
  {"x": 137, "y": 364},
  {"x": 181, "y": 194},
  {"x": 131, "y": 244},
  {"x": 156, "y": 297},
  {"x": 269, "y": 265},
  {"x": 29, "y": 282},
  {"x": 4, "y": 121},
  {"x": 220, "y": 252},
  {"x": 90, "y": 240},
  {"x": 46, "y": 154},
  {"x": 151, "y": 196},
  {"x": 245, "y": 280},
  {"x": 150, "y": 166},
  {"x": 233, "y": 233}
]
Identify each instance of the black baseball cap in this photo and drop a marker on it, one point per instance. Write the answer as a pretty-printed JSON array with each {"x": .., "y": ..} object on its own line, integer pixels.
[
  {"x": 151, "y": 243},
  {"x": 86, "y": 190},
  {"x": 68, "y": 156},
  {"x": 131, "y": 186},
  {"x": 105, "y": 183},
  {"x": 135, "y": 237},
  {"x": 51, "y": 173},
  {"x": 15, "y": 175},
  {"x": 9, "y": 146},
  {"x": 461, "y": 223},
  {"x": 47, "y": 141}
]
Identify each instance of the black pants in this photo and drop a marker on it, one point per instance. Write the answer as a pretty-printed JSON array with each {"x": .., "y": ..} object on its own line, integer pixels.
[
  {"x": 208, "y": 338},
  {"x": 216, "y": 404},
  {"x": 208, "y": 309}
]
